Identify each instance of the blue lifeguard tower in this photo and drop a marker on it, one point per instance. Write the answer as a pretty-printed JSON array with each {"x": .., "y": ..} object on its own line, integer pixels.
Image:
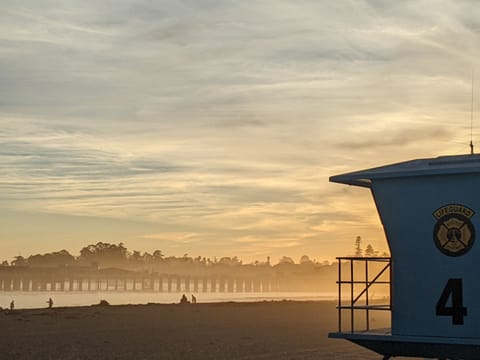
[{"x": 428, "y": 208}]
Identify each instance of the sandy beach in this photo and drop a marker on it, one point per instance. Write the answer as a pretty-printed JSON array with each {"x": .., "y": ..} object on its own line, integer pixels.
[{"x": 263, "y": 330}]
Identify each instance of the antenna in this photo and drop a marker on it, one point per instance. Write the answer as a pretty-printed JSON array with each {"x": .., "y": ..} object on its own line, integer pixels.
[{"x": 471, "y": 119}]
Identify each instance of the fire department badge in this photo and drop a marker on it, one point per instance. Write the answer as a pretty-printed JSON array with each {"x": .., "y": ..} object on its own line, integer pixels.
[{"x": 454, "y": 233}]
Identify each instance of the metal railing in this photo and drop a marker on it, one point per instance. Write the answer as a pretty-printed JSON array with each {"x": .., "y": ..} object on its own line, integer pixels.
[{"x": 361, "y": 300}]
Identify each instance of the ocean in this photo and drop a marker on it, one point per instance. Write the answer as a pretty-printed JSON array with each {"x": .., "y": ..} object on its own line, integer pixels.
[{"x": 29, "y": 300}]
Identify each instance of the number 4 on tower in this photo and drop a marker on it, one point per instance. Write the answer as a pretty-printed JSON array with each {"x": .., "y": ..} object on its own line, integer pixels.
[{"x": 457, "y": 311}]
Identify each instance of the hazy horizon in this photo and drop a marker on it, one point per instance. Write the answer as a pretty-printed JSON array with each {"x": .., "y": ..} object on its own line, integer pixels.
[{"x": 211, "y": 127}]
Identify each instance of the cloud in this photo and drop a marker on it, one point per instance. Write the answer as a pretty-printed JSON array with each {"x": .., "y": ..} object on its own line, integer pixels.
[
  {"x": 223, "y": 118},
  {"x": 180, "y": 237},
  {"x": 378, "y": 139}
]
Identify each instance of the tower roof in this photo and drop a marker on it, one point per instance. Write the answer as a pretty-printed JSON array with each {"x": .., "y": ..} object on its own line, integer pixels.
[{"x": 442, "y": 165}]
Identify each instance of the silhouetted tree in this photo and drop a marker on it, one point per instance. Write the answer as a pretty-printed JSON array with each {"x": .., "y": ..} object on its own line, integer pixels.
[
  {"x": 369, "y": 251},
  {"x": 230, "y": 261},
  {"x": 55, "y": 259},
  {"x": 358, "y": 246},
  {"x": 305, "y": 260},
  {"x": 104, "y": 254},
  {"x": 19, "y": 261},
  {"x": 147, "y": 257},
  {"x": 158, "y": 255},
  {"x": 286, "y": 260}
]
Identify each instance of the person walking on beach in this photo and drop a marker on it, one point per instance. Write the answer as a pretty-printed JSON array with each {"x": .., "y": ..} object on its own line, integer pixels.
[
  {"x": 12, "y": 305},
  {"x": 50, "y": 303},
  {"x": 194, "y": 299}
]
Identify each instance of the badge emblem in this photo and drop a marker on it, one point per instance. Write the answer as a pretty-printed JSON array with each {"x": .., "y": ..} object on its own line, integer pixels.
[{"x": 454, "y": 233}]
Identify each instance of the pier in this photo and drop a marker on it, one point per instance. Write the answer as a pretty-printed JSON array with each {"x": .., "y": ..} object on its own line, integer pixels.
[{"x": 29, "y": 279}]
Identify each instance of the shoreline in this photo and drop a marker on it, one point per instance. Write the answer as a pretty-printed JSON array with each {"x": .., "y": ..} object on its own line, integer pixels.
[
  {"x": 213, "y": 303},
  {"x": 29, "y": 300}
]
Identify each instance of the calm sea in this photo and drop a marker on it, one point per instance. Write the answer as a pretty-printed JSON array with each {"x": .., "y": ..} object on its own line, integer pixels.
[{"x": 24, "y": 300}]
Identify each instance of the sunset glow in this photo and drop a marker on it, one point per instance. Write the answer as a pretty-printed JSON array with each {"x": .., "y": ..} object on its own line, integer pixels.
[{"x": 211, "y": 127}]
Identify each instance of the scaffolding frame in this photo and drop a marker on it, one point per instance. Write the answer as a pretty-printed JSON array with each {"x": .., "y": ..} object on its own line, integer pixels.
[{"x": 354, "y": 298}]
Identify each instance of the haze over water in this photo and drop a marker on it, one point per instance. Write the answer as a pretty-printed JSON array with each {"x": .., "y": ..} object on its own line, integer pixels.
[{"x": 24, "y": 300}]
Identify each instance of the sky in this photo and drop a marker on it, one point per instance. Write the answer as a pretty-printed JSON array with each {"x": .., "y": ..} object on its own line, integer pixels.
[{"x": 211, "y": 127}]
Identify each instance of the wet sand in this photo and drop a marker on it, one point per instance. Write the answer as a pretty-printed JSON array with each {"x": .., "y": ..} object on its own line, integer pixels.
[{"x": 263, "y": 330}]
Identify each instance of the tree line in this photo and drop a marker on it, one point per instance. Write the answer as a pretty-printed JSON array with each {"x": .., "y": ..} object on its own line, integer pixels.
[{"x": 105, "y": 255}]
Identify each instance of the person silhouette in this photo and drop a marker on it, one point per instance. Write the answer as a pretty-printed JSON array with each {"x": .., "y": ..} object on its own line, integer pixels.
[
  {"x": 194, "y": 299},
  {"x": 50, "y": 303},
  {"x": 12, "y": 305},
  {"x": 184, "y": 299}
]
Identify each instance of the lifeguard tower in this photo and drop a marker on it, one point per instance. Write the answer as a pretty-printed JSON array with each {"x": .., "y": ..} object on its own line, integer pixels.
[{"x": 428, "y": 208}]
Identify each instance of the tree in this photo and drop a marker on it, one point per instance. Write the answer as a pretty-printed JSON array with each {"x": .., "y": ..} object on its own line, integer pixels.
[
  {"x": 230, "y": 261},
  {"x": 305, "y": 260},
  {"x": 19, "y": 261},
  {"x": 158, "y": 255},
  {"x": 147, "y": 257},
  {"x": 55, "y": 259},
  {"x": 286, "y": 260},
  {"x": 369, "y": 252},
  {"x": 358, "y": 246},
  {"x": 136, "y": 256},
  {"x": 104, "y": 254}
]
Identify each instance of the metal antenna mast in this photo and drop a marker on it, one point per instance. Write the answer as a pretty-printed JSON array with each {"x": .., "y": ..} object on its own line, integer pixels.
[{"x": 471, "y": 119}]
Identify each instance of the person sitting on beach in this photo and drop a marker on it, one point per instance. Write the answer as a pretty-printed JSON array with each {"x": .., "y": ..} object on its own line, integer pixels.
[
  {"x": 50, "y": 303},
  {"x": 194, "y": 299},
  {"x": 12, "y": 305},
  {"x": 184, "y": 300}
]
